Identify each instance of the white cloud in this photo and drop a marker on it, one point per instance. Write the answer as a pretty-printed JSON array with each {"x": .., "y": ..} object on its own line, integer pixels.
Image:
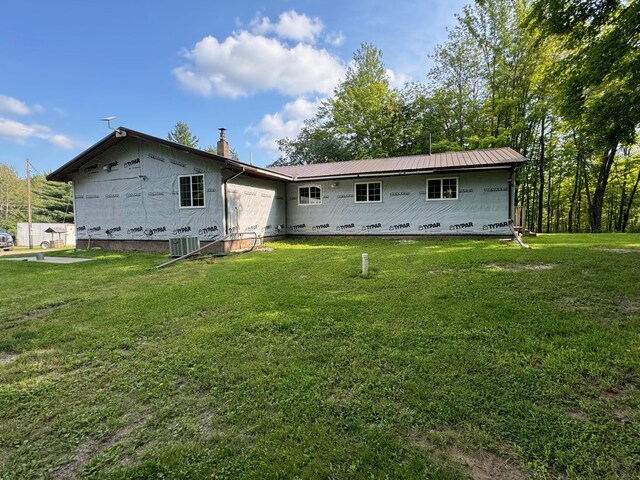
[
  {"x": 291, "y": 26},
  {"x": 21, "y": 132},
  {"x": 245, "y": 64},
  {"x": 335, "y": 38},
  {"x": 285, "y": 123},
  {"x": 10, "y": 105},
  {"x": 396, "y": 79}
]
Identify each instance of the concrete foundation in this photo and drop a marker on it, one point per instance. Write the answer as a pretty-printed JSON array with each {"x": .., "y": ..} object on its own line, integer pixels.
[{"x": 162, "y": 246}]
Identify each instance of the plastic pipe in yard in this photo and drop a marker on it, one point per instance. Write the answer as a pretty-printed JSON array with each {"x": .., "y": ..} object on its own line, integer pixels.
[{"x": 365, "y": 263}]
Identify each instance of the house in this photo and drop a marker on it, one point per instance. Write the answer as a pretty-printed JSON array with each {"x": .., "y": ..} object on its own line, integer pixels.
[{"x": 136, "y": 191}]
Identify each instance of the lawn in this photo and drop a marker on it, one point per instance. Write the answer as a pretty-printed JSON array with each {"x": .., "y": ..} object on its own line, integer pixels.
[{"x": 452, "y": 358}]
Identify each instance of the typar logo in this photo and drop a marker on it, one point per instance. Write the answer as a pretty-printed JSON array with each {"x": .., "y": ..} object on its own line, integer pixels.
[
  {"x": 91, "y": 168},
  {"x": 459, "y": 226},
  {"x": 181, "y": 230},
  {"x": 135, "y": 230},
  {"x": 493, "y": 226},
  {"x": 112, "y": 230},
  {"x": 81, "y": 229},
  {"x": 320, "y": 227},
  {"x": 346, "y": 226},
  {"x": 132, "y": 163},
  {"x": 372, "y": 226},
  {"x": 297, "y": 227},
  {"x": 207, "y": 230},
  {"x": 94, "y": 229},
  {"x": 149, "y": 232},
  {"x": 400, "y": 226},
  {"x": 429, "y": 226}
]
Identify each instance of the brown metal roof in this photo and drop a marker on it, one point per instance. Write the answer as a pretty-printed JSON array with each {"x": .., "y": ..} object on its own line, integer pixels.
[{"x": 489, "y": 158}]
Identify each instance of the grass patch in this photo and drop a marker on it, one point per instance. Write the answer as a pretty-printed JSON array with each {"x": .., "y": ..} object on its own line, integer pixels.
[{"x": 450, "y": 359}]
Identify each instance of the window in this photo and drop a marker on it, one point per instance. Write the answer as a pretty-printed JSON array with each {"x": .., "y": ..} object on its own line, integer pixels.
[
  {"x": 309, "y": 196},
  {"x": 368, "y": 192},
  {"x": 192, "y": 191},
  {"x": 442, "y": 189}
]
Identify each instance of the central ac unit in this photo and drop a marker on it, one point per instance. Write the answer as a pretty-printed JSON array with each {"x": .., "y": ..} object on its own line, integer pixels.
[{"x": 183, "y": 245}]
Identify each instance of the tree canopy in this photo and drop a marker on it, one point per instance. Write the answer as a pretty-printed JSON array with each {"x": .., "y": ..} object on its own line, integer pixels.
[{"x": 558, "y": 81}]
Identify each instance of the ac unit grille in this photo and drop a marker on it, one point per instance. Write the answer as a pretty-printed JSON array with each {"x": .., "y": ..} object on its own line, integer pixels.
[{"x": 183, "y": 245}]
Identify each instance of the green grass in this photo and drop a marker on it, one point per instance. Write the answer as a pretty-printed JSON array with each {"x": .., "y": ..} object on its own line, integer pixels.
[{"x": 448, "y": 356}]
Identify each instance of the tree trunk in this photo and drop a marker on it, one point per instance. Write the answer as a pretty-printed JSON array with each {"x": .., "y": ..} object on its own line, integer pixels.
[
  {"x": 625, "y": 220},
  {"x": 595, "y": 209},
  {"x": 576, "y": 188},
  {"x": 548, "y": 201},
  {"x": 541, "y": 177}
]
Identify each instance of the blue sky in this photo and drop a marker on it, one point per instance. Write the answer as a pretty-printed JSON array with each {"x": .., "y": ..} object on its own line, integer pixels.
[{"x": 256, "y": 68}]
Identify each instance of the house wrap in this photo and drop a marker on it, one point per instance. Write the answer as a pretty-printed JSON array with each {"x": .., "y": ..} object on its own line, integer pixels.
[{"x": 131, "y": 188}]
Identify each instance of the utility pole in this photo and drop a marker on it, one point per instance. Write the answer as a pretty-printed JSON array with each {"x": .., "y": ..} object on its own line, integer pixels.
[{"x": 29, "y": 203}]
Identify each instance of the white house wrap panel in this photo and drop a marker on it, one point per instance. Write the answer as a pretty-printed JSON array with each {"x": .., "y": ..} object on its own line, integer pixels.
[
  {"x": 256, "y": 205},
  {"x": 481, "y": 206},
  {"x": 131, "y": 192}
]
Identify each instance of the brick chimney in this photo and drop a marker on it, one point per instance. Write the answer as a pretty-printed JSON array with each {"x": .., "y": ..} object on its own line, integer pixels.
[{"x": 223, "y": 145}]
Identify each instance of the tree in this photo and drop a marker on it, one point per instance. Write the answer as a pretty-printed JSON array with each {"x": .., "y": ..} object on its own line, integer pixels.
[
  {"x": 13, "y": 197},
  {"x": 358, "y": 121},
  {"x": 182, "y": 134},
  {"x": 598, "y": 79},
  {"x": 52, "y": 201}
]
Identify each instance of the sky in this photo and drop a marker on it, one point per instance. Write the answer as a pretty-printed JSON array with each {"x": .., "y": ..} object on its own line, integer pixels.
[{"x": 258, "y": 69}]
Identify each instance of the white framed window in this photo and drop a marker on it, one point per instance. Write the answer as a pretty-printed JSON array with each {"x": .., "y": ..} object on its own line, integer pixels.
[
  {"x": 309, "y": 195},
  {"x": 442, "y": 188},
  {"x": 191, "y": 191},
  {"x": 368, "y": 192}
]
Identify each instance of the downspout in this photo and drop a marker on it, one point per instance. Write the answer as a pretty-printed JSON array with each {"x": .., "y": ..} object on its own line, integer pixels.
[
  {"x": 510, "y": 201},
  {"x": 226, "y": 201}
]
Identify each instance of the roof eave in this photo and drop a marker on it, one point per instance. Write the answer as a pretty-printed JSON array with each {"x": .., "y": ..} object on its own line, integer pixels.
[
  {"x": 62, "y": 173},
  {"x": 425, "y": 171}
]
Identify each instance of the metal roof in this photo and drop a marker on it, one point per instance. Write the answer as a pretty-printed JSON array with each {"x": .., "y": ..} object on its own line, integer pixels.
[
  {"x": 471, "y": 159},
  {"x": 56, "y": 230},
  {"x": 62, "y": 173}
]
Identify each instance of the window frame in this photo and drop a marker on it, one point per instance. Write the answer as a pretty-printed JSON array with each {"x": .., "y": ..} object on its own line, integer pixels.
[
  {"x": 355, "y": 189},
  {"x": 300, "y": 187},
  {"x": 204, "y": 191},
  {"x": 441, "y": 180}
]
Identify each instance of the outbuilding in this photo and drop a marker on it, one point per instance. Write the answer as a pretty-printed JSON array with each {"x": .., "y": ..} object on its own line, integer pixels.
[{"x": 136, "y": 191}]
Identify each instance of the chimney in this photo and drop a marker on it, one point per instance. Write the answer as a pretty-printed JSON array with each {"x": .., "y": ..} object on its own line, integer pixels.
[{"x": 223, "y": 145}]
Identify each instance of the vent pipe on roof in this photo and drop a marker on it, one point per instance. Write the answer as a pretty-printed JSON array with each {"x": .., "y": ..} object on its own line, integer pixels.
[{"x": 223, "y": 145}]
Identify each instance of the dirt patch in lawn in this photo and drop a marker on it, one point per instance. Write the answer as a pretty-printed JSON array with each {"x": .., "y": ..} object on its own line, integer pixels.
[
  {"x": 625, "y": 306},
  {"x": 486, "y": 466},
  {"x": 7, "y": 357},
  {"x": 573, "y": 304},
  {"x": 517, "y": 267},
  {"x": 40, "y": 312},
  {"x": 577, "y": 415},
  {"x": 90, "y": 447},
  {"x": 18, "y": 318}
]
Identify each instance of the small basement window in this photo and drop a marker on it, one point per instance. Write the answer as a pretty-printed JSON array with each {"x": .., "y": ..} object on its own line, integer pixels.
[
  {"x": 192, "y": 191},
  {"x": 442, "y": 189},
  {"x": 309, "y": 196},
  {"x": 370, "y": 192}
]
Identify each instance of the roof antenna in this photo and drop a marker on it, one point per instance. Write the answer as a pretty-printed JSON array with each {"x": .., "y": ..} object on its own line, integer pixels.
[{"x": 119, "y": 133}]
